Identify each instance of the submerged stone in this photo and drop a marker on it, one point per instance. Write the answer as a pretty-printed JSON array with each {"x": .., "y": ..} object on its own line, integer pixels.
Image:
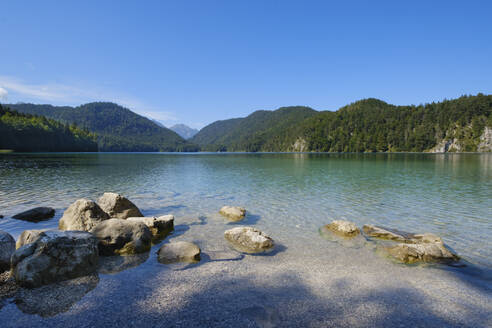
[
  {"x": 36, "y": 214},
  {"x": 233, "y": 213},
  {"x": 180, "y": 251}
]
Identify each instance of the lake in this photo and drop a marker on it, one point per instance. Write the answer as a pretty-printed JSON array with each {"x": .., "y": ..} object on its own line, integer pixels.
[{"x": 289, "y": 196}]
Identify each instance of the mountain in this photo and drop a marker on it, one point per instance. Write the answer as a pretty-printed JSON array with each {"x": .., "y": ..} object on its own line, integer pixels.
[
  {"x": 184, "y": 131},
  {"x": 260, "y": 131},
  {"x": 117, "y": 128},
  {"x": 368, "y": 125},
  {"x": 29, "y": 133}
]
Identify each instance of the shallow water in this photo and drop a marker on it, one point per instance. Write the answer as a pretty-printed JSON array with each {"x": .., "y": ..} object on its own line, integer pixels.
[
  {"x": 447, "y": 194},
  {"x": 289, "y": 196}
]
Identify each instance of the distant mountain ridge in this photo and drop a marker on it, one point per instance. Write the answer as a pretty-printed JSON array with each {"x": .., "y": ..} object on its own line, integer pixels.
[
  {"x": 368, "y": 125},
  {"x": 117, "y": 128},
  {"x": 184, "y": 131},
  {"x": 260, "y": 131}
]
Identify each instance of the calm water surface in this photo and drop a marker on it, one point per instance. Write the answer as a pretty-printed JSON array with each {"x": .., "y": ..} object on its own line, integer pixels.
[{"x": 285, "y": 194}]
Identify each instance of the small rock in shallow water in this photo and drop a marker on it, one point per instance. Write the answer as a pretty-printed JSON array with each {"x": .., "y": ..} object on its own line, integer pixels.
[
  {"x": 342, "y": 228},
  {"x": 248, "y": 239},
  {"x": 117, "y": 236},
  {"x": 118, "y": 206},
  {"x": 55, "y": 256},
  {"x": 386, "y": 233},
  {"x": 180, "y": 251},
  {"x": 233, "y": 213},
  {"x": 83, "y": 215},
  {"x": 7, "y": 247},
  {"x": 412, "y": 247},
  {"x": 36, "y": 214}
]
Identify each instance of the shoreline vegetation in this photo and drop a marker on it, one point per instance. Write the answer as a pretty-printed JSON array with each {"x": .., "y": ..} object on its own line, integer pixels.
[{"x": 366, "y": 126}]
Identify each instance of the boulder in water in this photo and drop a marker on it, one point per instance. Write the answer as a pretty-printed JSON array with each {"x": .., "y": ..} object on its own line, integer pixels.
[
  {"x": 248, "y": 239},
  {"x": 159, "y": 226},
  {"x": 423, "y": 252},
  {"x": 36, "y": 214},
  {"x": 180, "y": 251},
  {"x": 82, "y": 215},
  {"x": 55, "y": 256},
  {"x": 118, "y": 206},
  {"x": 233, "y": 213},
  {"x": 117, "y": 236}
]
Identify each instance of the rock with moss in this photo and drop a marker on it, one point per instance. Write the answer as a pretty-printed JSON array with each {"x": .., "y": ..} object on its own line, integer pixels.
[
  {"x": 233, "y": 213},
  {"x": 341, "y": 228},
  {"x": 122, "y": 237},
  {"x": 83, "y": 215},
  {"x": 7, "y": 247},
  {"x": 179, "y": 251},
  {"x": 159, "y": 226},
  {"x": 36, "y": 214},
  {"x": 118, "y": 206},
  {"x": 55, "y": 256},
  {"x": 248, "y": 240}
]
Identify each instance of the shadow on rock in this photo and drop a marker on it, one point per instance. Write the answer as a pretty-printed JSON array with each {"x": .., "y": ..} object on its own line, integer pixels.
[
  {"x": 50, "y": 300},
  {"x": 115, "y": 264}
]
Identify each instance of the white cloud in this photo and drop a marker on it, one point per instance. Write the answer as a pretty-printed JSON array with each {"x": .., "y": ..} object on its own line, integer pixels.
[
  {"x": 63, "y": 94},
  {"x": 3, "y": 94}
]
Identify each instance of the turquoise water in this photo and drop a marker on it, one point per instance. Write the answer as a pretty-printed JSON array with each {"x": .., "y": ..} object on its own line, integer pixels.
[{"x": 285, "y": 194}]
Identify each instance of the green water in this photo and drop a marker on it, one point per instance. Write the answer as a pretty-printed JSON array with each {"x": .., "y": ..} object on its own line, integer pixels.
[{"x": 447, "y": 194}]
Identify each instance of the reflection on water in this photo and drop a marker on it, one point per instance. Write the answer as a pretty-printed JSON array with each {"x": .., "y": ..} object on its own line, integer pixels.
[{"x": 287, "y": 194}]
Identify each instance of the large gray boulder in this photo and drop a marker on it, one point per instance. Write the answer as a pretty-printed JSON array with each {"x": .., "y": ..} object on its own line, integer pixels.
[
  {"x": 83, "y": 215},
  {"x": 159, "y": 226},
  {"x": 36, "y": 214},
  {"x": 7, "y": 247},
  {"x": 248, "y": 239},
  {"x": 233, "y": 213},
  {"x": 180, "y": 251},
  {"x": 117, "y": 206},
  {"x": 117, "y": 236},
  {"x": 55, "y": 256},
  {"x": 342, "y": 228}
]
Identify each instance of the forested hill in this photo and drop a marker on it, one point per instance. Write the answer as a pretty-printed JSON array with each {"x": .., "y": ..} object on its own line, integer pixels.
[
  {"x": 117, "y": 128},
  {"x": 370, "y": 125},
  {"x": 260, "y": 131},
  {"x": 29, "y": 133}
]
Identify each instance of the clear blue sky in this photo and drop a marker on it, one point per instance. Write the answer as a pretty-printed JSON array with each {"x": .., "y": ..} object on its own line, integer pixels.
[{"x": 195, "y": 62}]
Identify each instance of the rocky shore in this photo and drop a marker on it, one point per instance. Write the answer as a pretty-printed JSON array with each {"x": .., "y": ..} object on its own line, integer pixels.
[{"x": 112, "y": 235}]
